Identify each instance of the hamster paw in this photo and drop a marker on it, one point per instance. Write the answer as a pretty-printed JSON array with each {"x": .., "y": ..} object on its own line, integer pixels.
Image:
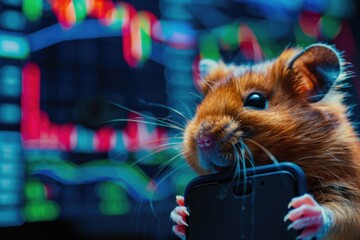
[
  {"x": 178, "y": 216},
  {"x": 308, "y": 215}
]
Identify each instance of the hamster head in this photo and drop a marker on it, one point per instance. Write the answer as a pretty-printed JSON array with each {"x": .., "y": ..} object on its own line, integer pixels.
[{"x": 288, "y": 109}]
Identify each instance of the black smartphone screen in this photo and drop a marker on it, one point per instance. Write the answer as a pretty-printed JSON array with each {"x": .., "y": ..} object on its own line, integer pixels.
[{"x": 251, "y": 207}]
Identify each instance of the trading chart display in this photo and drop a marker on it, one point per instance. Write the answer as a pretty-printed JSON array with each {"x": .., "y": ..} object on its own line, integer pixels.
[{"x": 94, "y": 95}]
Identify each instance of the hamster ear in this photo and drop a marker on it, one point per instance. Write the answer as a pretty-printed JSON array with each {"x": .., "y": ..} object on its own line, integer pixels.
[
  {"x": 315, "y": 69},
  {"x": 205, "y": 66},
  {"x": 211, "y": 72}
]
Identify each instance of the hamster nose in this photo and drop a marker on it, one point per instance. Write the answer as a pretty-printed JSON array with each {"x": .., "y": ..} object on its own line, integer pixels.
[{"x": 205, "y": 141}]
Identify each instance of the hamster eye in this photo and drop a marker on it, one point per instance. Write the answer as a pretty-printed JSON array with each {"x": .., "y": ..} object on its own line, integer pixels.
[{"x": 256, "y": 101}]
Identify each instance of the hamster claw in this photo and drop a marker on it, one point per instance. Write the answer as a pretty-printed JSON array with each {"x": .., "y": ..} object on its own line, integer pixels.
[
  {"x": 179, "y": 231},
  {"x": 178, "y": 216},
  {"x": 180, "y": 200},
  {"x": 308, "y": 215}
]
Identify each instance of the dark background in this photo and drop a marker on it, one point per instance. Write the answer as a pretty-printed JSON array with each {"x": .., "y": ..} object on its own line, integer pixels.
[{"x": 82, "y": 78}]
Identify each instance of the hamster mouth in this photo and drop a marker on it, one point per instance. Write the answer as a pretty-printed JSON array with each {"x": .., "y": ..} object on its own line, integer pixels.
[
  {"x": 217, "y": 140},
  {"x": 220, "y": 169}
]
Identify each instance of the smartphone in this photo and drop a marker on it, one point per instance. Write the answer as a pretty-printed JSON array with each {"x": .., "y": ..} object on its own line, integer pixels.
[{"x": 250, "y": 206}]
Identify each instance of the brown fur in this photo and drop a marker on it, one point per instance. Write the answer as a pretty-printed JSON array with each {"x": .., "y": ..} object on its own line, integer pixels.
[{"x": 316, "y": 136}]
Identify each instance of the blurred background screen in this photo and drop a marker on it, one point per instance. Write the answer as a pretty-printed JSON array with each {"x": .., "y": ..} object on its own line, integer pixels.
[{"x": 94, "y": 95}]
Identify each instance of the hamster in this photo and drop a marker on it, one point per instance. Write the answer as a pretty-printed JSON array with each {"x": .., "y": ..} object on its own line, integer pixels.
[{"x": 289, "y": 108}]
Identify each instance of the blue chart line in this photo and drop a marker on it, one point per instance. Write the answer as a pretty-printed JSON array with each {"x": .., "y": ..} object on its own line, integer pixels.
[
  {"x": 88, "y": 29},
  {"x": 132, "y": 177}
]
